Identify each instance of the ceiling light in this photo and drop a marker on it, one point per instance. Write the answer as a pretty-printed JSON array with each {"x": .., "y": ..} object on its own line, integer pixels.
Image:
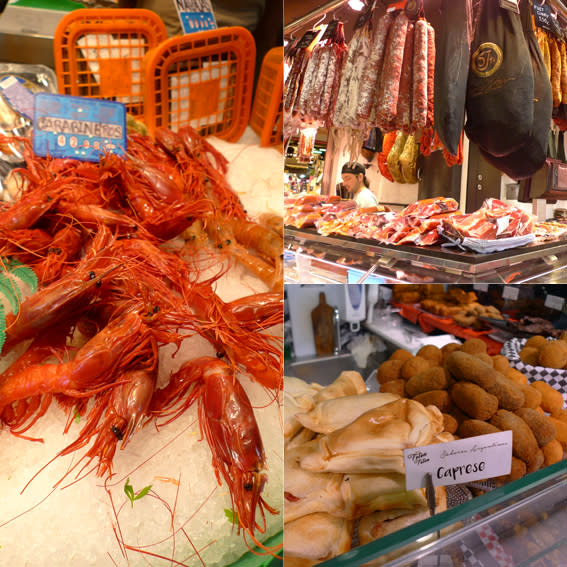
[{"x": 356, "y": 4}]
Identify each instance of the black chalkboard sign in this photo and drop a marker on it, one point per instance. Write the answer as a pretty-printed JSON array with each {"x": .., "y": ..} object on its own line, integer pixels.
[{"x": 542, "y": 16}]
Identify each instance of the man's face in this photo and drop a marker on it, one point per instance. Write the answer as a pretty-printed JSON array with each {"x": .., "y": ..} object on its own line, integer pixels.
[{"x": 349, "y": 181}]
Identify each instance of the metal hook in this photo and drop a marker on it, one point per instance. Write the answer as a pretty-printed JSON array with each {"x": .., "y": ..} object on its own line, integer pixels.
[{"x": 320, "y": 21}]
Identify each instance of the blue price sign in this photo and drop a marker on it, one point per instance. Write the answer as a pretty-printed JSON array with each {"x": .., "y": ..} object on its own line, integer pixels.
[
  {"x": 80, "y": 128},
  {"x": 197, "y": 21},
  {"x": 196, "y": 15}
]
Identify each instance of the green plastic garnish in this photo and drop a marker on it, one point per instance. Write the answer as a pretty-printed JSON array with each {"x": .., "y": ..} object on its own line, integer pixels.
[
  {"x": 129, "y": 491},
  {"x": 232, "y": 517},
  {"x": 77, "y": 416}
]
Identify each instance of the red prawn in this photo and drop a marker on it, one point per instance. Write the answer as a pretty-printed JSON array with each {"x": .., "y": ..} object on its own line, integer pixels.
[
  {"x": 16, "y": 415},
  {"x": 65, "y": 246},
  {"x": 117, "y": 414},
  {"x": 95, "y": 365},
  {"x": 55, "y": 303},
  {"x": 227, "y": 421}
]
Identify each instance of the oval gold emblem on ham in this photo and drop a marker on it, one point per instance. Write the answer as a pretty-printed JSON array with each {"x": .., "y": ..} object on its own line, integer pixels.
[{"x": 486, "y": 60}]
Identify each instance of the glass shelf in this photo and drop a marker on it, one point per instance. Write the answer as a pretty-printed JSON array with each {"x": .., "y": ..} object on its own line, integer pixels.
[{"x": 312, "y": 258}]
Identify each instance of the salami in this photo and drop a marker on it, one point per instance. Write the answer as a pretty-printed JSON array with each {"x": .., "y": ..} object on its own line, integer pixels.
[
  {"x": 339, "y": 117},
  {"x": 403, "y": 112},
  {"x": 387, "y": 100},
  {"x": 419, "y": 95},
  {"x": 373, "y": 68},
  {"x": 334, "y": 95},
  {"x": 430, "y": 74},
  {"x": 329, "y": 89},
  {"x": 294, "y": 84},
  {"x": 313, "y": 103},
  {"x": 500, "y": 87},
  {"x": 306, "y": 83},
  {"x": 355, "y": 83}
]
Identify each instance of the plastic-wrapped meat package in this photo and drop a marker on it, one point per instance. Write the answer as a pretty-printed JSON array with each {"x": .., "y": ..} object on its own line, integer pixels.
[
  {"x": 428, "y": 207},
  {"x": 494, "y": 220},
  {"x": 18, "y": 84}
]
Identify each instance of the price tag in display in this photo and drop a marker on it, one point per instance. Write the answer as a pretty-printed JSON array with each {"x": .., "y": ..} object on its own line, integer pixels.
[
  {"x": 306, "y": 40},
  {"x": 76, "y": 127},
  {"x": 481, "y": 287},
  {"x": 196, "y": 15},
  {"x": 330, "y": 30},
  {"x": 461, "y": 461},
  {"x": 18, "y": 96},
  {"x": 510, "y": 292},
  {"x": 353, "y": 276},
  {"x": 554, "y": 302}
]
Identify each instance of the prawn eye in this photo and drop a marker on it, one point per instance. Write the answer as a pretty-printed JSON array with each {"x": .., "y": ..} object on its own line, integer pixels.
[
  {"x": 228, "y": 242},
  {"x": 92, "y": 275},
  {"x": 248, "y": 486},
  {"x": 220, "y": 354},
  {"x": 219, "y": 245},
  {"x": 117, "y": 433},
  {"x": 156, "y": 309}
]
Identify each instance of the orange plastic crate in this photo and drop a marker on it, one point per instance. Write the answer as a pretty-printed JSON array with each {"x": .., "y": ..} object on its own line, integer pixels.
[
  {"x": 267, "y": 117},
  {"x": 99, "y": 53},
  {"x": 203, "y": 79}
]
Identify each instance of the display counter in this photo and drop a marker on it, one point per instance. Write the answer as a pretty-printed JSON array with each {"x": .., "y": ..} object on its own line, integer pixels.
[
  {"x": 312, "y": 258},
  {"x": 516, "y": 525}
]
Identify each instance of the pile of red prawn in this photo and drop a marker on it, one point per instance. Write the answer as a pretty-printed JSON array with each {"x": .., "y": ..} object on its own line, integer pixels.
[{"x": 99, "y": 237}]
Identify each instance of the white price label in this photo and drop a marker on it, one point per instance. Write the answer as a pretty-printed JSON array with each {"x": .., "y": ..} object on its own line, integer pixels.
[
  {"x": 456, "y": 462},
  {"x": 510, "y": 292},
  {"x": 481, "y": 287},
  {"x": 554, "y": 302}
]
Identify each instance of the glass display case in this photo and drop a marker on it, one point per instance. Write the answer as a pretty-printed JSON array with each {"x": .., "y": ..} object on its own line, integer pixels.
[
  {"x": 520, "y": 524},
  {"x": 312, "y": 258}
]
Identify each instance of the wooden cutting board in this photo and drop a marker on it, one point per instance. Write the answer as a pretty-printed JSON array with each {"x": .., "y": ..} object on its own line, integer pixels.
[{"x": 323, "y": 326}]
